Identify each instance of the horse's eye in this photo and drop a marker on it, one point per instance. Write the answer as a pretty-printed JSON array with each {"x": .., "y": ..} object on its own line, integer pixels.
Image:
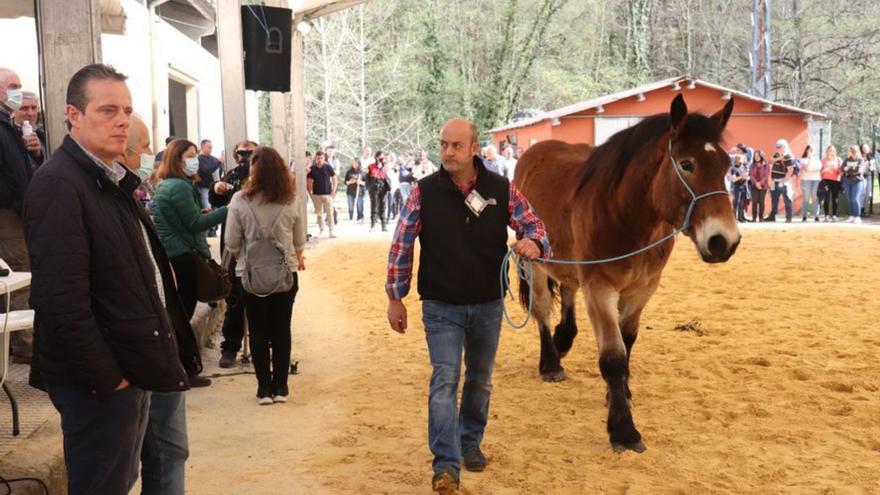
[{"x": 687, "y": 166}]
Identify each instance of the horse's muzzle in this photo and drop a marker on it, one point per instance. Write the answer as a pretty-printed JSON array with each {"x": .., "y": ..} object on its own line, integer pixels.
[{"x": 719, "y": 250}]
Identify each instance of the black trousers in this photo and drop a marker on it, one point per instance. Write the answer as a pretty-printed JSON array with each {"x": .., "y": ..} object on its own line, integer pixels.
[
  {"x": 377, "y": 206},
  {"x": 830, "y": 189},
  {"x": 102, "y": 437},
  {"x": 185, "y": 273},
  {"x": 758, "y": 199},
  {"x": 233, "y": 321},
  {"x": 269, "y": 336}
]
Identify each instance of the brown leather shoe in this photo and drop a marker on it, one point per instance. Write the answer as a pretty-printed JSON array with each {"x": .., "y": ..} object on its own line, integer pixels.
[{"x": 445, "y": 484}]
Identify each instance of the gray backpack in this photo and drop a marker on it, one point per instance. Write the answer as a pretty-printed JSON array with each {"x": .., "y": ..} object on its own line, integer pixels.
[{"x": 266, "y": 270}]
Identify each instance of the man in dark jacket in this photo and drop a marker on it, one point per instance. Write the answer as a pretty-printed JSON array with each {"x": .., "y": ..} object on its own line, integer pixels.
[
  {"x": 220, "y": 194},
  {"x": 109, "y": 319},
  {"x": 208, "y": 166},
  {"x": 16, "y": 169}
]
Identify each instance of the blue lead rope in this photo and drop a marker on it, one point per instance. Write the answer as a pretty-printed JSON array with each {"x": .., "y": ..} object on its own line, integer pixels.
[{"x": 527, "y": 272}]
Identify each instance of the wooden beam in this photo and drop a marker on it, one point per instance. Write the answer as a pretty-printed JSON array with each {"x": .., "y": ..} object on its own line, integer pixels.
[
  {"x": 231, "y": 75},
  {"x": 69, "y": 33}
]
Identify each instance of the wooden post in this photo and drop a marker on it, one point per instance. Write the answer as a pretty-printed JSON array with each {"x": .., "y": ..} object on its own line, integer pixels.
[
  {"x": 69, "y": 33},
  {"x": 231, "y": 75}
]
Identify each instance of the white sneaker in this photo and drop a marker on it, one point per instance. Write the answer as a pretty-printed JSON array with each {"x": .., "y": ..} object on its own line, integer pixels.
[
  {"x": 332, "y": 235},
  {"x": 265, "y": 401},
  {"x": 857, "y": 220},
  {"x": 280, "y": 399}
]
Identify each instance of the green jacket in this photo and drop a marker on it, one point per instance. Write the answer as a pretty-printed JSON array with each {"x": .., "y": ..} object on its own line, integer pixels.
[{"x": 179, "y": 219}]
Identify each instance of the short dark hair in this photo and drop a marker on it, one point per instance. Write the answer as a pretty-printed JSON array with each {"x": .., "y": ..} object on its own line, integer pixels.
[
  {"x": 169, "y": 139},
  {"x": 319, "y": 153},
  {"x": 244, "y": 143},
  {"x": 203, "y": 141},
  {"x": 76, "y": 88}
]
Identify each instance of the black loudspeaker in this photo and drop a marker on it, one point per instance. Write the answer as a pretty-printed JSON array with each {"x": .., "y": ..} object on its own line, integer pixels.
[{"x": 266, "y": 40}]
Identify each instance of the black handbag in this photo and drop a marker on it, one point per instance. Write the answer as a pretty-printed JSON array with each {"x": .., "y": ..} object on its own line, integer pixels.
[{"x": 212, "y": 280}]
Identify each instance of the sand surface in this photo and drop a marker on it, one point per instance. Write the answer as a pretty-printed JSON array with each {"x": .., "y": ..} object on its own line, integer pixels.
[{"x": 776, "y": 393}]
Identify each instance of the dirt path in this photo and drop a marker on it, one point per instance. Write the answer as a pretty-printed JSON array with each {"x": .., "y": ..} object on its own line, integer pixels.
[{"x": 779, "y": 394}]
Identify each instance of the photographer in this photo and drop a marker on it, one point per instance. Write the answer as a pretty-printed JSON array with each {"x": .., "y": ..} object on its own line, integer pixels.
[
  {"x": 781, "y": 171},
  {"x": 219, "y": 195}
]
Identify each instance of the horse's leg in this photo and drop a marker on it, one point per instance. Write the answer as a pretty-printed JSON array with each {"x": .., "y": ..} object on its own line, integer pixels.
[
  {"x": 602, "y": 304},
  {"x": 631, "y": 306},
  {"x": 566, "y": 331},
  {"x": 542, "y": 305}
]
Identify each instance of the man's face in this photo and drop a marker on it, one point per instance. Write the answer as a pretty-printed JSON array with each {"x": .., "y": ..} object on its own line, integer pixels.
[
  {"x": 319, "y": 160},
  {"x": 367, "y": 152},
  {"x": 132, "y": 157},
  {"x": 241, "y": 158},
  {"x": 11, "y": 81},
  {"x": 29, "y": 111},
  {"x": 103, "y": 127},
  {"x": 457, "y": 148},
  {"x": 207, "y": 148},
  {"x": 507, "y": 153}
]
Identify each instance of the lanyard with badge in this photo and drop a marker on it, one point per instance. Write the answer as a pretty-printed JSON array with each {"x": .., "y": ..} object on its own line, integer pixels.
[{"x": 476, "y": 203}]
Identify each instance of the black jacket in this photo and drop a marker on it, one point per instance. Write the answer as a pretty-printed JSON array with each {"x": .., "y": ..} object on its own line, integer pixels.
[
  {"x": 461, "y": 252},
  {"x": 99, "y": 317},
  {"x": 15, "y": 168}
]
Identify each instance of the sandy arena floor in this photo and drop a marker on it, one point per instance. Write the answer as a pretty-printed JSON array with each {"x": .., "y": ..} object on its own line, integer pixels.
[{"x": 777, "y": 391}]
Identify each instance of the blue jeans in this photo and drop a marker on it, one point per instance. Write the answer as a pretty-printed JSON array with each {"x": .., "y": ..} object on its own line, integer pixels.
[
  {"x": 405, "y": 191},
  {"x": 854, "y": 190},
  {"x": 102, "y": 437},
  {"x": 449, "y": 329},
  {"x": 809, "y": 188},
  {"x": 780, "y": 190},
  {"x": 165, "y": 445},
  {"x": 351, "y": 205}
]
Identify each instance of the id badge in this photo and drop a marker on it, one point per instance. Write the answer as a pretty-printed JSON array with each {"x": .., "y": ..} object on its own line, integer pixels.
[{"x": 476, "y": 203}]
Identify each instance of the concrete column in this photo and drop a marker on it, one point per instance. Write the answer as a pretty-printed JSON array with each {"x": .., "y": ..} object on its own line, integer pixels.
[
  {"x": 231, "y": 75},
  {"x": 69, "y": 32},
  {"x": 298, "y": 112}
]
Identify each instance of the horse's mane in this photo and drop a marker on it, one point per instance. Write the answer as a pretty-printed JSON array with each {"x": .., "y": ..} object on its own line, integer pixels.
[{"x": 608, "y": 162}]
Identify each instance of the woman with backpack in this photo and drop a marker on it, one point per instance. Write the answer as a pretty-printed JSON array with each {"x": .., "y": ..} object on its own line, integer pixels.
[{"x": 266, "y": 234}]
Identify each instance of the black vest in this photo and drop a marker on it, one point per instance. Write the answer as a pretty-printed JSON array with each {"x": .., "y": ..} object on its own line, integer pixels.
[{"x": 461, "y": 253}]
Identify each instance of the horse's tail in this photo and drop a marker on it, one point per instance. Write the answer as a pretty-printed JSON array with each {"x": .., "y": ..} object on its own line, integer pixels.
[{"x": 525, "y": 291}]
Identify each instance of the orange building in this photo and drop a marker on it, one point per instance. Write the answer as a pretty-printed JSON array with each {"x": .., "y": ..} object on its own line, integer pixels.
[{"x": 755, "y": 122}]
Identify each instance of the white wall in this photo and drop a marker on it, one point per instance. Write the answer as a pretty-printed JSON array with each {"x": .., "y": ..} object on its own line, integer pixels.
[{"x": 131, "y": 54}]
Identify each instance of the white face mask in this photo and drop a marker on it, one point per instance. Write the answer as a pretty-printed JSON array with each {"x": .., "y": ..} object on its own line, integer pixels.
[
  {"x": 13, "y": 99},
  {"x": 191, "y": 167},
  {"x": 147, "y": 164}
]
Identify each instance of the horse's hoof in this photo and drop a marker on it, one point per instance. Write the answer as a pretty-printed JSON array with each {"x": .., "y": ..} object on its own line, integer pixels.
[
  {"x": 554, "y": 376},
  {"x": 619, "y": 447}
]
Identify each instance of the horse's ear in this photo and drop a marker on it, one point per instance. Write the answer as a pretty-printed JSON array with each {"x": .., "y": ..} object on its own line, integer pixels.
[
  {"x": 678, "y": 113},
  {"x": 722, "y": 116}
]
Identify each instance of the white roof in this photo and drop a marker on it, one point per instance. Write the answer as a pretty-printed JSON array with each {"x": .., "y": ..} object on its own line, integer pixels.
[{"x": 605, "y": 100}]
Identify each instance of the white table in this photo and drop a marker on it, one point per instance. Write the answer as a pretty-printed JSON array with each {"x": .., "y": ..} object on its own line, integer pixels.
[{"x": 11, "y": 322}]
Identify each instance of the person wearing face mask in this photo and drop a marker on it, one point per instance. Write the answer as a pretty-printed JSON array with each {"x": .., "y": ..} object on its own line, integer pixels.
[
  {"x": 166, "y": 446},
  {"x": 219, "y": 195},
  {"x": 16, "y": 170},
  {"x": 179, "y": 217}
]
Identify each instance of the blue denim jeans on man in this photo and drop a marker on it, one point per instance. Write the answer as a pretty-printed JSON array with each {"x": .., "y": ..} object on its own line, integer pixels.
[
  {"x": 449, "y": 329},
  {"x": 102, "y": 436},
  {"x": 165, "y": 450}
]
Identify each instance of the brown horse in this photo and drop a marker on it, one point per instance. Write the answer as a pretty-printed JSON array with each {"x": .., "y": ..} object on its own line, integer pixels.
[{"x": 602, "y": 202}]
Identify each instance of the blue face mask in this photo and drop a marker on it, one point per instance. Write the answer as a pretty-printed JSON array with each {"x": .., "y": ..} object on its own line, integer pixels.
[
  {"x": 14, "y": 98},
  {"x": 191, "y": 167},
  {"x": 146, "y": 168}
]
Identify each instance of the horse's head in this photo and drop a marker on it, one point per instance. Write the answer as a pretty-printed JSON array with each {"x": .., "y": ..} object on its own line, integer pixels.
[{"x": 695, "y": 156}]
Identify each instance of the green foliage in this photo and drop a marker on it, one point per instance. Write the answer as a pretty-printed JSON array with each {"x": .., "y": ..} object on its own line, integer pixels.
[{"x": 389, "y": 73}]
